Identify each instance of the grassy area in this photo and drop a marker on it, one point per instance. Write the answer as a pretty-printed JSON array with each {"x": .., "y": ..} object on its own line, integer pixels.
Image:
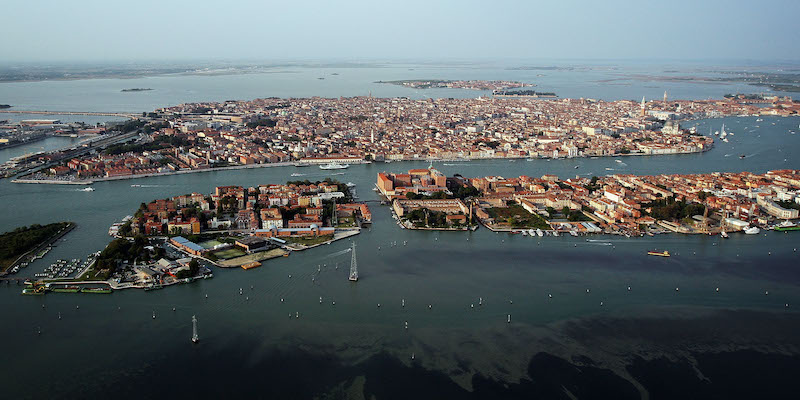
[
  {"x": 515, "y": 216},
  {"x": 346, "y": 222},
  {"x": 24, "y": 239},
  {"x": 229, "y": 253},
  {"x": 310, "y": 240}
]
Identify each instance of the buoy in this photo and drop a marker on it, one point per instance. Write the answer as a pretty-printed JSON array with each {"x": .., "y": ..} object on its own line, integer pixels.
[
  {"x": 320, "y": 299},
  {"x": 766, "y": 293},
  {"x": 550, "y": 296},
  {"x": 677, "y": 289},
  {"x": 247, "y": 298},
  {"x": 379, "y": 305},
  {"x": 587, "y": 290},
  {"x": 290, "y": 275},
  {"x": 406, "y": 324},
  {"x": 281, "y": 299},
  {"x": 511, "y": 302},
  {"x": 77, "y": 307},
  {"x": 629, "y": 288},
  {"x": 173, "y": 308},
  {"x": 472, "y": 306},
  {"x": 601, "y": 304},
  {"x": 297, "y": 314},
  {"x": 412, "y": 356},
  {"x": 42, "y": 306},
  {"x": 206, "y": 295},
  {"x": 508, "y": 321},
  {"x": 430, "y": 306},
  {"x": 717, "y": 289},
  {"x": 333, "y": 303}
]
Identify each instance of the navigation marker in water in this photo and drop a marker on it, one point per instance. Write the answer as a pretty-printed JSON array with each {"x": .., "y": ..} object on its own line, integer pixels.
[
  {"x": 195, "y": 338},
  {"x": 354, "y": 265}
]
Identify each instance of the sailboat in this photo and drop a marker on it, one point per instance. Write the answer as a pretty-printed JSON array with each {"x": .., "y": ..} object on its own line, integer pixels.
[
  {"x": 195, "y": 338},
  {"x": 353, "y": 265}
]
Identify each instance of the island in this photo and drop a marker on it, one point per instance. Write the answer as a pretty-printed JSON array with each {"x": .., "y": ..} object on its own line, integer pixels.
[
  {"x": 523, "y": 93},
  {"x": 458, "y": 84},
  {"x": 201, "y": 137},
  {"x": 710, "y": 204},
  {"x": 136, "y": 90},
  {"x": 179, "y": 239},
  {"x": 27, "y": 244}
]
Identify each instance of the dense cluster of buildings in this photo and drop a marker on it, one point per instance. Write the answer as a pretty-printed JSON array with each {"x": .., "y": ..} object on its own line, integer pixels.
[
  {"x": 417, "y": 181},
  {"x": 618, "y": 203},
  {"x": 359, "y": 129},
  {"x": 295, "y": 209}
]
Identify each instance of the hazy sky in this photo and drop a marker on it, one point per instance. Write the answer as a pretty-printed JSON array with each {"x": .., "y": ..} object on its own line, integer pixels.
[{"x": 146, "y": 30}]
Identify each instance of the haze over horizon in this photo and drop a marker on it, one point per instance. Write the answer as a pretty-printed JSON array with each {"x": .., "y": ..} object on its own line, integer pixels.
[{"x": 147, "y": 30}]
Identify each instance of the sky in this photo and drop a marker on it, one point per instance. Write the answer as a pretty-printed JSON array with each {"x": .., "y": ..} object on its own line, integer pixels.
[{"x": 359, "y": 30}]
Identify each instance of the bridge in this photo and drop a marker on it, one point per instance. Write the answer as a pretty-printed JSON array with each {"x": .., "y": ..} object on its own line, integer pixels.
[{"x": 89, "y": 113}]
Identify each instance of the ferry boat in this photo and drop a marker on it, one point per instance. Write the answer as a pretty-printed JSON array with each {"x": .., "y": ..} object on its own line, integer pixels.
[
  {"x": 658, "y": 253},
  {"x": 67, "y": 289},
  {"x": 333, "y": 165},
  {"x": 787, "y": 226},
  {"x": 753, "y": 230},
  {"x": 33, "y": 291}
]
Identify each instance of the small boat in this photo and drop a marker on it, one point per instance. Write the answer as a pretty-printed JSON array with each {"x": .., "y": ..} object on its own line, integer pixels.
[
  {"x": 297, "y": 174},
  {"x": 724, "y": 235},
  {"x": 87, "y": 189},
  {"x": 658, "y": 253},
  {"x": 753, "y": 230},
  {"x": 742, "y": 156}
]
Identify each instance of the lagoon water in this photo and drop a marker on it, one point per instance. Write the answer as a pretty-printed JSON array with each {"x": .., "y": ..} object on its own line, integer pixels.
[{"x": 255, "y": 345}]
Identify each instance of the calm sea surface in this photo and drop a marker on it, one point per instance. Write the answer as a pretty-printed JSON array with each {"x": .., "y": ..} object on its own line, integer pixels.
[{"x": 257, "y": 344}]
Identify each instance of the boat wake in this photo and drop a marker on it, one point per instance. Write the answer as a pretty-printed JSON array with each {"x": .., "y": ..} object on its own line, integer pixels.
[
  {"x": 339, "y": 253},
  {"x": 451, "y": 164}
]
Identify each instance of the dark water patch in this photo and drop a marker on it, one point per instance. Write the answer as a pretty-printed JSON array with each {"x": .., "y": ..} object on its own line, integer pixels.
[
  {"x": 742, "y": 374},
  {"x": 551, "y": 377}
]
